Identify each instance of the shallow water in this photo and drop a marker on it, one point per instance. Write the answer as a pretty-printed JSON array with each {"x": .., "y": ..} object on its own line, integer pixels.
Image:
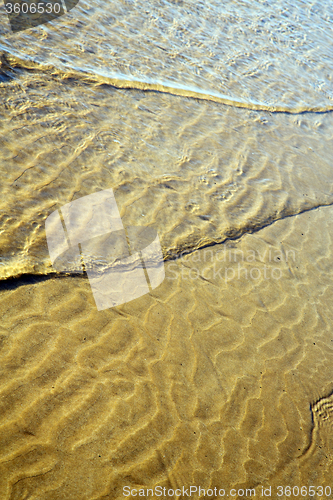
[
  {"x": 213, "y": 125},
  {"x": 276, "y": 55}
]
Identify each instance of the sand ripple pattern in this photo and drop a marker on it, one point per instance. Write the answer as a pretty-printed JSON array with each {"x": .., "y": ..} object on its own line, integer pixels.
[
  {"x": 206, "y": 382},
  {"x": 197, "y": 171}
]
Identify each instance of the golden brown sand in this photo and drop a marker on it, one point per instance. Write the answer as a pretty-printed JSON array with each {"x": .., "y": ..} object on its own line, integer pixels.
[
  {"x": 202, "y": 382},
  {"x": 197, "y": 171},
  {"x": 213, "y": 379}
]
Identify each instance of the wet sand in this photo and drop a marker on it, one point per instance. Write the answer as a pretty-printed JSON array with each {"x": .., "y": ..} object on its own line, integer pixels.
[
  {"x": 197, "y": 171},
  {"x": 213, "y": 126},
  {"x": 217, "y": 379}
]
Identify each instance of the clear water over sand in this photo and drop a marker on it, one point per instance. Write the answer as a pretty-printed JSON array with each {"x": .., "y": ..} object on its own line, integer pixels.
[{"x": 212, "y": 125}]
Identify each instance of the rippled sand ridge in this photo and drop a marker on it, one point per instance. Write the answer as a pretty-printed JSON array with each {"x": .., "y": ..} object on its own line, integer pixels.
[
  {"x": 213, "y": 126},
  {"x": 214, "y": 379},
  {"x": 197, "y": 171}
]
